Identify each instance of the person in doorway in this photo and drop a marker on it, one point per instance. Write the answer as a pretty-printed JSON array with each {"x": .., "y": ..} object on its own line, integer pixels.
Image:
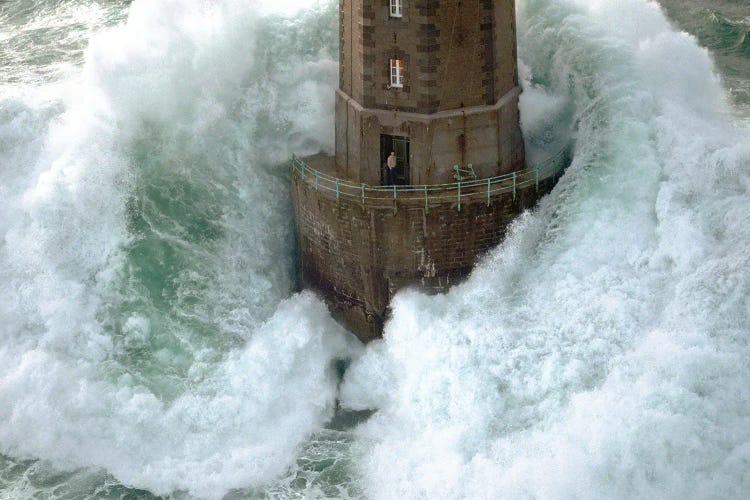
[{"x": 392, "y": 163}]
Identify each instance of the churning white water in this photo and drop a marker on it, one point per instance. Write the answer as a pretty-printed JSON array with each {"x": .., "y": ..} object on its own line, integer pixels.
[
  {"x": 602, "y": 350},
  {"x": 147, "y": 255},
  {"x": 150, "y": 341}
]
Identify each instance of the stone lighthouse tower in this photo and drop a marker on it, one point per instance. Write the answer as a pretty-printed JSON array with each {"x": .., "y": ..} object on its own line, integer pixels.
[{"x": 435, "y": 82}]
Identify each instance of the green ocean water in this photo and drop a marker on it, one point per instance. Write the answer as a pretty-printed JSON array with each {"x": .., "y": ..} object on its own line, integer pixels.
[
  {"x": 153, "y": 344},
  {"x": 722, "y": 27}
]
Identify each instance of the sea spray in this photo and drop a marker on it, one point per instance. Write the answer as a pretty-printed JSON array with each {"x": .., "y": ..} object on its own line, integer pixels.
[
  {"x": 147, "y": 268},
  {"x": 599, "y": 351}
]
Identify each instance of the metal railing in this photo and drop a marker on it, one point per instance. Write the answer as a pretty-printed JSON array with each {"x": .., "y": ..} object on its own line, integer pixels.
[{"x": 457, "y": 191}]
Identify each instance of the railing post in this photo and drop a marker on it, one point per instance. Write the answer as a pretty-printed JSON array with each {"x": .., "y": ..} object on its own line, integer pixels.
[
  {"x": 514, "y": 185},
  {"x": 337, "y": 190},
  {"x": 316, "y": 180},
  {"x": 363, "y": 195},
  {"x": 394, "y": 199},
  {"x": 459, "y": 196},
  {"x": 489, "y": 202},
  {"x": 426, "y": 205},
  {"x": 536, "y": 177}
]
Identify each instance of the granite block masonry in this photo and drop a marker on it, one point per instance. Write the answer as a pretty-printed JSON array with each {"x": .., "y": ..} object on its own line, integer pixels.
[{"x": 436, "y": 82}]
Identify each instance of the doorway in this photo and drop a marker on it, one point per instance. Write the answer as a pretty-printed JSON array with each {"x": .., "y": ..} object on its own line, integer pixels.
[{"x": 400, "y": 145}]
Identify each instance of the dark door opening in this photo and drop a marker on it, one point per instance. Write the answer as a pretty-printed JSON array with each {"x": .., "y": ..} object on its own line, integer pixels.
[{"x": 400, "y": 145}]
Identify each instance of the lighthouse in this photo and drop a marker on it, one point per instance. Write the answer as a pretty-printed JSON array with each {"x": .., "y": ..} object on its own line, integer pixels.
[{"x": 429, "y": 165}]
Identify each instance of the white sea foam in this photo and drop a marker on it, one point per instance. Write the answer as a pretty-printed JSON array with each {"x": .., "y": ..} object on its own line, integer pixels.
[
  {"x": 146, "y": 260},
  {"x": 601, "y": 351}
]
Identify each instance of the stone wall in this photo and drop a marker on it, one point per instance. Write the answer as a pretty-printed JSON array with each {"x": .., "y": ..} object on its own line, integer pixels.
[
  {"x": 489, "y": 137},
  {"x": 357, "y": 256},
  {"x": 350, "y": 49},
  {"x": 505, "y": 47},
  {"x": 457, "y": 53},
  {"x": 458, "y": 105}
]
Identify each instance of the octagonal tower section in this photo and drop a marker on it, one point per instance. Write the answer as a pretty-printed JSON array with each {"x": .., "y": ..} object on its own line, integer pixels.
[{"x": 433, "y": 83}]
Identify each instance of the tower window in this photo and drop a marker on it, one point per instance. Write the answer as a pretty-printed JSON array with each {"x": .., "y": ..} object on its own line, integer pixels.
[
  {"x": 397, "y": 73},
  {"x": 396, "y": 8}
]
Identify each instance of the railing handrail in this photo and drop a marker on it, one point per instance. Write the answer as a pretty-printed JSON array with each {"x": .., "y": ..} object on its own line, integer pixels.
[{"x": 509, "y": 182}]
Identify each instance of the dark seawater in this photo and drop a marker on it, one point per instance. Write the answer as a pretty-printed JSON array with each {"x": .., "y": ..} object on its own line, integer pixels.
[
  {"x": 722, "y": 26},
  {"x": 40, "y": 41}
]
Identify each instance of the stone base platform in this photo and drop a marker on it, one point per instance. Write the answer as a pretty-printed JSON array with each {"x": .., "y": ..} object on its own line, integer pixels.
[{"x": 357, "y": 252}]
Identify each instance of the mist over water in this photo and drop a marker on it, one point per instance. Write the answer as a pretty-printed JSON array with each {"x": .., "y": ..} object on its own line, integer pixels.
[{"x": 151, "y": 341}]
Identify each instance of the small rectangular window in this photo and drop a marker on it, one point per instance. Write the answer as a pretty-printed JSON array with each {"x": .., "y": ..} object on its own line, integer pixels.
[
  {"x": 397, "y": 73},
  {"x": 396, "y": 8}
]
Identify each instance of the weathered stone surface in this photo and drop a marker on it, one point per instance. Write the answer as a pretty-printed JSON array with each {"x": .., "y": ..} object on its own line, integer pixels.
[
  {"x": 458, "y": 53},
  {"x": 492, "y": 140},
  {"x": 458, "y": 105},
  {"x": 358, "y": 255}
]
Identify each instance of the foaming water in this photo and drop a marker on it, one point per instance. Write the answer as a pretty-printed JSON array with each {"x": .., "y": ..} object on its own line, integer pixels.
[
  {"x": 724, "y": 27},
  {"x": 152, "y": 344},
  {"x": 601, "y": 351},
  {"x": 43, "y": 40},
  {"x": 147, "y": 262}
]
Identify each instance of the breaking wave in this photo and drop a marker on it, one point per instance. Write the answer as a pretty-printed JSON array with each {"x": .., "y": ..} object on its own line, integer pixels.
[
  {"x": 601, "y": 351},
  {"x": 152, "y": 342}
]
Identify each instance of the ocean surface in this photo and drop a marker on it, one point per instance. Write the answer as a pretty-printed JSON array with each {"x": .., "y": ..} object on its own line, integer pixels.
[{"x": 152, "y": 340}]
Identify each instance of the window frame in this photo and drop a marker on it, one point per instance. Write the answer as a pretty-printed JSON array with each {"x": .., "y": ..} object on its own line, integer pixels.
[
  {"x": 396, "y": 73},
  {"x": 396, "y": 9}
]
